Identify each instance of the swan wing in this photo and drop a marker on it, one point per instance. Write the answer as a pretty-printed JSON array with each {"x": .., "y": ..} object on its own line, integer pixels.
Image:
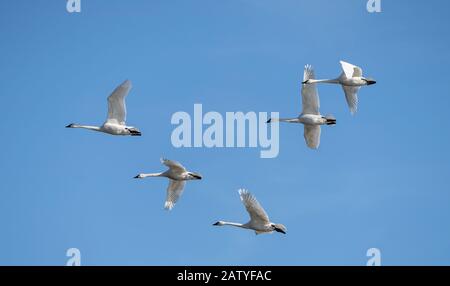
[
  {"x": 174, "y": 192},
  {"x": 351, "y": 95},
  {"x": 117, "y": 111},
  {"x": 312, "y": 135},
  {"x": 310, "y": 96},
  {"x": 257, "y": 213},
  {"x": 351, "y": 70},
  {"x": 173, "y": 165}
]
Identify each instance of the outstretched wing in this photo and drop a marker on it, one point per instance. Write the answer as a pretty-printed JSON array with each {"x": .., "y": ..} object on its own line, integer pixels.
[
  {"x": 117, "y": 111},
  {"x": 351, "y": 70},
  {"x": 310, "y": 96},
  {"x": 174, "y": 165},
  {"x": 312, "y": 136},
  {"x": 254, "y": 209},
  {"x": 174, "y": 191},
  {"x": 351, "y": 95}
]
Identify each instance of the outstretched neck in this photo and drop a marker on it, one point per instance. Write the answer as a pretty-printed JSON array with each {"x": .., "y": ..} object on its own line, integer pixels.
[
  {"x": 151, "y": 175},
  {"x": 324, "y": 81},
  {"x": 289, "y": 120},
  {"x": 95, "y": 128},
  {"x": 234, "y": 224}
]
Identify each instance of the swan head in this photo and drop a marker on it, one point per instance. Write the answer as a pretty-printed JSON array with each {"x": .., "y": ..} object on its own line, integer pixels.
[
  {"x": 369, "y": 81},
  {"x": 133, "y": 131},
  {"x": 329, "y": 119},
  {"x": 219, "y": 223},
  {"x": 195, "y": 176},
  {"x": 279, "y": 228}
]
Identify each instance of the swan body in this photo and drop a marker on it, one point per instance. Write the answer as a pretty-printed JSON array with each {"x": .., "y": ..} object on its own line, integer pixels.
[
  {"x": 115, "y": 122},
  {"x": 259, "y": 220},
  {"x": 310, "y": 116},
  {"x": 351, "y": 80},
  {"x": 177, "y": 175}
]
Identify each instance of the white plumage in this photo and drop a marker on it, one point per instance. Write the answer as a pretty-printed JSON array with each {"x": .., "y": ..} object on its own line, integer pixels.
[
  {"x": 310, "y": 116},
  {"x": 117, "y": 112},
  {"x": 177, "y": 175},
  {"x": 351, "y": 80},
  {"x": 259, "y": 220}
]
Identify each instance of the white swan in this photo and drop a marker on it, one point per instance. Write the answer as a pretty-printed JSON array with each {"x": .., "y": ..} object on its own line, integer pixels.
[
  {"x": 310, "y": 116},
  {"x": 115, "y": 123},
  {"x": 259, "y": 220},
  {"x": 178, "y": 175},
  {"x": 351, "y": 80}
]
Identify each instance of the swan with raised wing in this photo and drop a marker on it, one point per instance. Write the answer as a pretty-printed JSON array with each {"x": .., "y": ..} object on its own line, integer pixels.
[
  {"x": 351, "y": 80},
  {"x": 259, "y": 220},
  {"x": 115, "y": 122},
  {"x": 310, "y": 116},
  {"x": 177, "y": 175}
]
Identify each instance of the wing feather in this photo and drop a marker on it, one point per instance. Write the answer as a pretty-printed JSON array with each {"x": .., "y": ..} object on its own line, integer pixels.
[
  {"x": 117, "y": 111},
  {"x": 174, "y": 192},
  {"x": 351, "y": 70},
  {"x": 174, "y": 165},
  {"x": 351, "y": 95},
  {"x": 312, "y": 135},
  {"x": 310, "y": 96},
  {"x": 254, "y": 209}
]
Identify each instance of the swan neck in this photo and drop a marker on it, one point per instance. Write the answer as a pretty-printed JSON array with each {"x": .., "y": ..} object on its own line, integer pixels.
[
  {"x": 289, "y": 120},
  {"x": 233, "y": 224},
  {"x": 325, "y": 81},
  {"x": 95, "y": 128},
  {"x": 152, "y": 175}
]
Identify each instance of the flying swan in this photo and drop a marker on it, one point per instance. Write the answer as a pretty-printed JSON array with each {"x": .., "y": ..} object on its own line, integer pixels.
[
  {"x": 351, "y": 80},
  {"x": 259, "y": 220},
  {"x": 115, "y": 123},
  {"x": 310, "y": 116},
  {"x": 178, "y": 175}
]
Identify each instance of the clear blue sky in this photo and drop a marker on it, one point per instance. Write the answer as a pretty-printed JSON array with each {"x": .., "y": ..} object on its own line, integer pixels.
[{"x": 380, "y": 178}]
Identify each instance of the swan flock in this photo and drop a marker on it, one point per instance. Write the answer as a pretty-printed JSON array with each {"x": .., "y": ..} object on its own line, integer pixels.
[{"x": 351, "y": 80}]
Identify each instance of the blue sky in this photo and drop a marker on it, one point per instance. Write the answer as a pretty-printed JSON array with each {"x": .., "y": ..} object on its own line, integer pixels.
[{"x": 379, "y": 179}]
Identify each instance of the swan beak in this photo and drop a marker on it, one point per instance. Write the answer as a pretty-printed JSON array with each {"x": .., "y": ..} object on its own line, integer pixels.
[
  {"x": 136, "y": 177},
  {"x": 370, "y": 82},
  {"x": 280, "y": 230},
  {"x": 268, "y": 121},
  {"x": 133, "y": 131},
  {"x": 305, "y": 82},
  {"x": 217, "y": 223},
  {"x": 69, "y": 126},
  {"x": 196, "y": 176}
]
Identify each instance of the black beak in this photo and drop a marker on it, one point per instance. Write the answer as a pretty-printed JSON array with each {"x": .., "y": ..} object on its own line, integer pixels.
[
  {"x": 135, "y": 133},
  {"x": 370, "y": 82},
  {"x": 268, "y": 121},
  {"x": 305, "y": 82},
  {"x": 198, "y": 177},
  {"x": 217, "y": 223},
  {"x": 136, "y": 177},
  {"x": 69, "y": 126},
  {"x": 280, "y": 230}
]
